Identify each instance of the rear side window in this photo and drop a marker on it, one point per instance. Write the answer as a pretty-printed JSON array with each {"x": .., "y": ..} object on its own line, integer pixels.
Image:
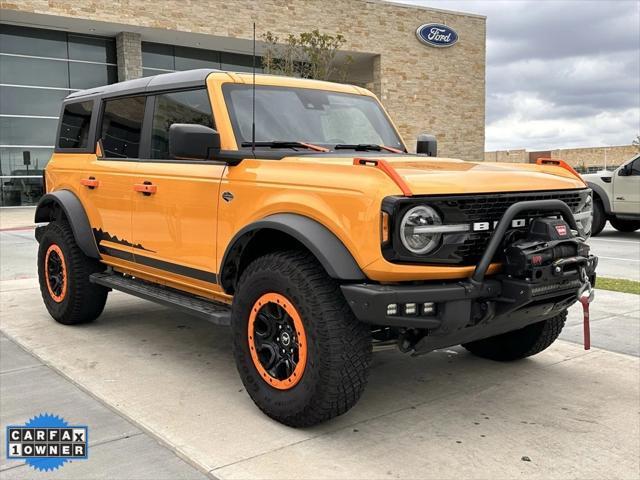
[
  {"x": 122, "y": 127},
  {"x": 74, "y": 130},
  {"x": 191, "y": 106}
]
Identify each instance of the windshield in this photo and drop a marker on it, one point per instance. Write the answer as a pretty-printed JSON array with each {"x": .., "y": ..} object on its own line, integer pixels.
[{"x": 320, "y": 117}]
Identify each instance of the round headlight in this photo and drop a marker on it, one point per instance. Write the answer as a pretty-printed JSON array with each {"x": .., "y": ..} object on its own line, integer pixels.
[
  {"x": 584, "y": 216},
  {"x": 410, "y": 232}
]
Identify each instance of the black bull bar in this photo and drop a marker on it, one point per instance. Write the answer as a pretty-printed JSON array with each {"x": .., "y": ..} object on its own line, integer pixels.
[{"x": 476, "y": 307}]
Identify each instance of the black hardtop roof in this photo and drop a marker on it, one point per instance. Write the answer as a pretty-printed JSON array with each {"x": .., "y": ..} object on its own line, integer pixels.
[{"x": 164, "y": 81}]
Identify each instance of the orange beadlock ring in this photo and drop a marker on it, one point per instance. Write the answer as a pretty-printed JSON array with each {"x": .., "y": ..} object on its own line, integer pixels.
[
  {"x": 53, "y": 248},
  {"x": 301, "y": 341}
]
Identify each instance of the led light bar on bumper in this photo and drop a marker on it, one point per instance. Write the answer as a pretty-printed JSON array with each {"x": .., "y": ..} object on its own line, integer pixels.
[{"x": 456, "y": 229}]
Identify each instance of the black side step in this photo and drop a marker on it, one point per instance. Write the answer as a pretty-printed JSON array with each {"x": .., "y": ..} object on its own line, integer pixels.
[{"x": 215, "y": 312}]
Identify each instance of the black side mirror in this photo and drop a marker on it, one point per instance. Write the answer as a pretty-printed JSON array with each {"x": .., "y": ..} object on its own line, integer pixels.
[
  {"x": 191, "y": 141},
  {"x": 427, "y": 144},
  {"x": 625, "y": 171}
]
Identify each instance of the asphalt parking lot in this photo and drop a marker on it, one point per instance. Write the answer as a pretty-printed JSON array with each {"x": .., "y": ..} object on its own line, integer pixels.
[
  {"x": 619, "y": 253},
  {"x": 170, "y": 383}
]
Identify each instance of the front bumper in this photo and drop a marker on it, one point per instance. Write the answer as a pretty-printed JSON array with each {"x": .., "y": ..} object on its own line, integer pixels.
[{"x": 476, "y": 308}]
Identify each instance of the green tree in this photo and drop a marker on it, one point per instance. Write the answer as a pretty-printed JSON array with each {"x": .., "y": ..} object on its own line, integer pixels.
[{"x": 307, "y": 55}]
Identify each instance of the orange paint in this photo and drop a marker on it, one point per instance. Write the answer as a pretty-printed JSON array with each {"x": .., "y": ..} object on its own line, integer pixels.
[
  {"x": 287, "y": 306},
  {"x": 55, "y": 250},
  {"x": 187, "y": 223}
]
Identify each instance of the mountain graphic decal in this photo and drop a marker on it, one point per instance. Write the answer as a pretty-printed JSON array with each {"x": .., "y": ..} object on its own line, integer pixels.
[{"x": 100, "y": 235}]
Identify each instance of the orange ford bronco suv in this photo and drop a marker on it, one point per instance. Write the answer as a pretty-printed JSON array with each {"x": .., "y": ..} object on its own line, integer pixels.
[{"x": 314, "y": 234}]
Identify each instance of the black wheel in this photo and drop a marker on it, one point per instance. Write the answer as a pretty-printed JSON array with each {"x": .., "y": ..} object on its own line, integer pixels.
[
  {"x": 626, "y": 226},
  {"x": 519, "y": 344},
  {"x": 302, "y": 355},
  {"x": 599, "y": 217},
  {"x": 64, "y": 271}
]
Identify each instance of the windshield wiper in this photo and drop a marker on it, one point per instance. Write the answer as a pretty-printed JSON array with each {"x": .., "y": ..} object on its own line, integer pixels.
[
  {"x": 286, "y": 144},
  {"x": 363, "y": 147}
]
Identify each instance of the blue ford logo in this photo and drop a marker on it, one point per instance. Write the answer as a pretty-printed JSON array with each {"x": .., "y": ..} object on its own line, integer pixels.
[{"x": 437, "y": 35}]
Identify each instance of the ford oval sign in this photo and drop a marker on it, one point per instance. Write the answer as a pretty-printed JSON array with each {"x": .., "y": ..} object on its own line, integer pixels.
[{"x": 437, "y": 35}]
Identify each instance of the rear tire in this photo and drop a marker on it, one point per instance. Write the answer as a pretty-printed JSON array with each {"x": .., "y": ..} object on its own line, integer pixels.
[
  {"x": 63, "y": 272},
  {"x": 337, "y": 350},
  {"x": 626, "y": 226},
  {"x": 599, "y": 217},
  {"x": 519, "y": 344}
]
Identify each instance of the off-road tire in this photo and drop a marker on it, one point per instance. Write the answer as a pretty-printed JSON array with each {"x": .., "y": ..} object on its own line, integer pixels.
[
  {"x": 626, "y": 226},
  {"x": 519, "y": 344},
  {"x": 338, "y": 345},
  {"x": 82, "y": 300},
  {"x": 599, "y": 217}
]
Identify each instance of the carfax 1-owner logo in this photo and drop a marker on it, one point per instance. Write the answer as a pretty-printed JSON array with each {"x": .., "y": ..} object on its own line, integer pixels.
[{"x": 46, "y": 442}]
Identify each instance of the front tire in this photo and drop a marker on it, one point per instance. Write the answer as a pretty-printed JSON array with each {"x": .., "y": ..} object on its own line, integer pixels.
[
  {"x": 599, "y": 217},
  {"x": 627, "y": 226},
  {"x": 63, "y": 272},
  {"x": 301, "y": 354},
  {"x": 519, "y": 344}
]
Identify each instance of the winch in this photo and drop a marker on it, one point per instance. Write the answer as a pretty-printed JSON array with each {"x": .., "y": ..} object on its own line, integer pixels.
[
  {"x": 550, "y": 254},
  {"x": 549, "y": 249}
]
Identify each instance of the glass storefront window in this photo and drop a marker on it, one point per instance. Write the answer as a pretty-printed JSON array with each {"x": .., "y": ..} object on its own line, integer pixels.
[
  {"x": 21, "y": 175},
  {"x": 28, "y": 131},
  {"x": 31, "y": 41},
  {"x": 34, "y": 72},
  {"x": 31, "y": 101},
  {"x": 89, "y": 75},
  {"x": 160, "y": 58},
  {"x": 92, "y": 49},
  {"x": 12, "y": 159},
  {"x": 38, "y": 69},
  {"x": 190, "y": 58},
  {"x": 239, "y": 63},
  {"x": 157, "y": 55}
]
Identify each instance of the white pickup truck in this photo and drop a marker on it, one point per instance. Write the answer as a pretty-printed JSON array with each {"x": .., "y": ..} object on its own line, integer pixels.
[{"x": 616, "y": 197}]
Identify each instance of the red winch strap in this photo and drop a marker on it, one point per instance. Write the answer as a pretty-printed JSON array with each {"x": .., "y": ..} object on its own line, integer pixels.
[{"x": 585, "y": 323}]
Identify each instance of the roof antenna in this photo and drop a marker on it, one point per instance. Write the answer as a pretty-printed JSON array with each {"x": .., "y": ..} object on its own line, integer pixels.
[{"x": 253, "y": 96}]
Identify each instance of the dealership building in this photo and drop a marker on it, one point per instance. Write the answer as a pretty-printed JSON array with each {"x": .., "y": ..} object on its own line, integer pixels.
[{"x": 51, "y": 49}]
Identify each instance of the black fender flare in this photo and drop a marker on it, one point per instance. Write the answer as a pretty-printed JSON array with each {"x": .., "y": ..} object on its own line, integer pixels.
[
  {"x": 318, "y": 239},
  {"x": 72, "y": 207},
  {"x": 602, "y": 195}
]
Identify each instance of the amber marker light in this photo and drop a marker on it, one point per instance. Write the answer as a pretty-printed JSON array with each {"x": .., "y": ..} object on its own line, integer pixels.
[{"x": 384, "y": 227}]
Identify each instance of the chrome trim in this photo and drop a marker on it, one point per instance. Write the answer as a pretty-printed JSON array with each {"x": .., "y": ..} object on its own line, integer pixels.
[
  {"x": 441, "y": 228},
  {"x": 37, "y": 57}
]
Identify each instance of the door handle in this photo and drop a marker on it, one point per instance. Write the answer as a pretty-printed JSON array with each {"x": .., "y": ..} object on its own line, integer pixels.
[
  {"x": 146, "y": 188},
  {"x": 90, "y": 183}
]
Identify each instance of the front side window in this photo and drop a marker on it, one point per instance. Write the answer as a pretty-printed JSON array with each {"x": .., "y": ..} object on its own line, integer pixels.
[
  {"x": 74, "y": 128},
  {"x": 635, "y": 167},
  {"x": 308, "y": 115},
  {"x": 191, "y": 106},
  {"x": 122, "y": 126}
]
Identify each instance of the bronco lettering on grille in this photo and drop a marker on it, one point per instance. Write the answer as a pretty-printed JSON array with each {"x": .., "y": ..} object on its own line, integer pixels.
[{"x": 486, "y": 226}]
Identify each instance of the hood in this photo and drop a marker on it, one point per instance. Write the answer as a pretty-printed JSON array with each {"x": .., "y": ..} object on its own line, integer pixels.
[
  {"x": 426, "y": 175},
  {"x": 594, "y": 176}
]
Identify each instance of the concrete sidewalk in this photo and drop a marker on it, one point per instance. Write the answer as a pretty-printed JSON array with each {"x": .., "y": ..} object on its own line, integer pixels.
[
  {"x": 444, "y": 415},
  {"x": 118, "y": 449},
  {"x": 17, "y": 217}
]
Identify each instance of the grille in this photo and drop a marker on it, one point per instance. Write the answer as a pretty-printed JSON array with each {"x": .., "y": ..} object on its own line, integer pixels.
[{"x": 490, "y": 208}]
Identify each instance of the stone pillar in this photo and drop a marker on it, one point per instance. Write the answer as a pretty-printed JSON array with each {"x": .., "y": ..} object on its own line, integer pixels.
[
  {"x": 129, "y": 53},
  {"x": 376, "y": 84}
]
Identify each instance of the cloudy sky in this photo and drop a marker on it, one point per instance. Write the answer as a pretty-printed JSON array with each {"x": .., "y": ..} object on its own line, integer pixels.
[{"x": 560, "y": 73}]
